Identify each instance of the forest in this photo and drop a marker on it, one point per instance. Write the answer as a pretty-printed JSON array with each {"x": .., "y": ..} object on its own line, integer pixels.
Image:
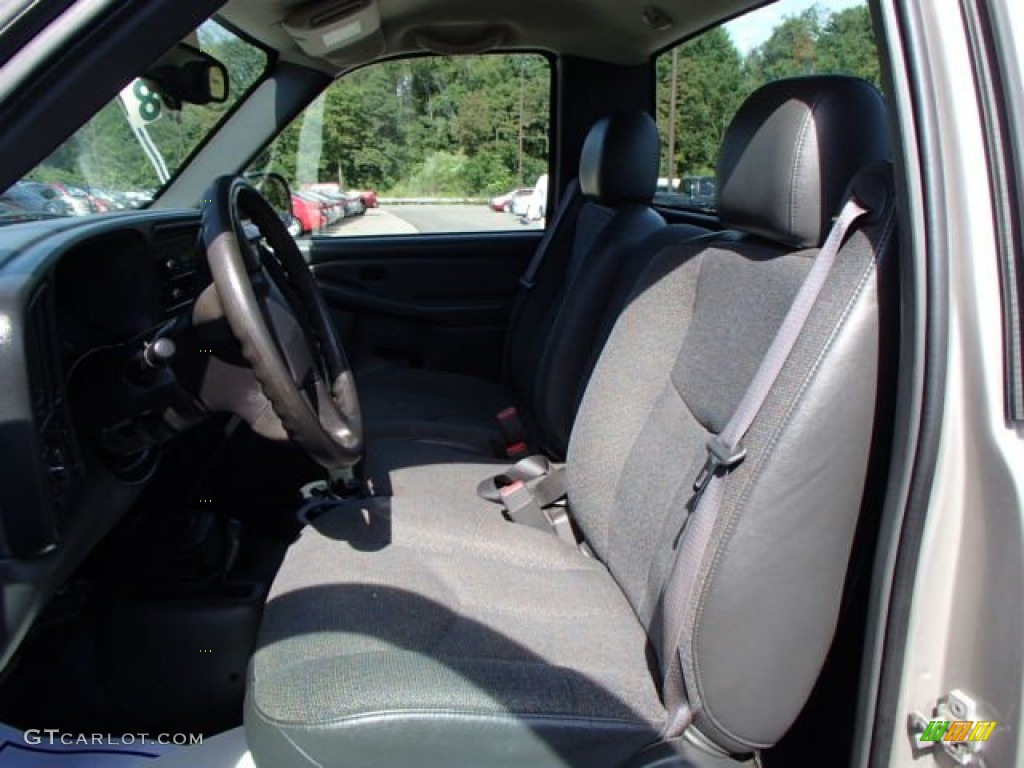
[{"x": 474, "y": 125}]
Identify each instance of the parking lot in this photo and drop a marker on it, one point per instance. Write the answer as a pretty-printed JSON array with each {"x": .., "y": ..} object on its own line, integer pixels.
[{"x": 409, "y": 219}]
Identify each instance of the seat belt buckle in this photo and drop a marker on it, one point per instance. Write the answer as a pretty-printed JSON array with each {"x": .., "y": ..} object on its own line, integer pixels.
[
  {"x": 512, "y": 427},
  {"x": 516, "y": 450},
  {"x": 720, "y": 456}
]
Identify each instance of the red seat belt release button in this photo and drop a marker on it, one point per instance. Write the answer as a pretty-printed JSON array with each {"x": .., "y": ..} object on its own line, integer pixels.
[{"x": 516, "y": 450}]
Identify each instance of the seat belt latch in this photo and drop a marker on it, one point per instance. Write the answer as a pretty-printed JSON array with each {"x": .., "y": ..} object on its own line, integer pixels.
[
  {"x": 720, "y": 456},
  {"x": 508, "y": 492},
  {"x": 521, "y": 506}
]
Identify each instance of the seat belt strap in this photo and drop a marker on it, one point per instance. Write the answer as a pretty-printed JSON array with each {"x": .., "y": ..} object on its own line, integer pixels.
[
  {"x": 725, "y": 451},
  {"x": 569, "y": 205}
]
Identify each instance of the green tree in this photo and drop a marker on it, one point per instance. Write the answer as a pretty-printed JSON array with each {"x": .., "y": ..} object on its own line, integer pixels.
[
  {"x": 710, "y": 88},
  {"x": 791, "y": 50},
  {"x": 472, "y": 125},
  {"x": 847, "y": 45},
  {"x": 713, "y": 77}
]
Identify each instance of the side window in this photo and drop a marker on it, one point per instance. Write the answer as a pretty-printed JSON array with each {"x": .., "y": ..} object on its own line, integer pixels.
[
  {"x": 431, "y": 144},
  {"x": 701, "y": 83}
]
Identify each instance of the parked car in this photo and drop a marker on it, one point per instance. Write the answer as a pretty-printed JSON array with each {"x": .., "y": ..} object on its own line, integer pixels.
[
  {"x": 107, "y": 200},
  {"x": 12, "y": 213},
  {"x": 354, "y": 205},
  {"x": 35, "y": 197},
  {"x": 291, "y": 223},
  {"x": 76, "y": 198},
  {"x": 664, "y": 187},
  {"x": 520, "y": 205},
  {"x": 369, "y": 196},
  {"x": 333, "y": 208},
  {"x": 309, "y": 211},
  {"x": 698, "y": 192},
  {"x": 504, "y": 203}
]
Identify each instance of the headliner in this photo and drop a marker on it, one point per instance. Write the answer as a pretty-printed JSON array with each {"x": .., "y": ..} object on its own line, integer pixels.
[{"x": 614, "y": 31}]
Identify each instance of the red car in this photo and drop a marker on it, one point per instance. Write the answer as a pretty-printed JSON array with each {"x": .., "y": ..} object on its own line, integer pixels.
[
  {"x": 504, "y": 202},
  {"x": 369, "y": 196},
  {"x": 309, "y": 212}
]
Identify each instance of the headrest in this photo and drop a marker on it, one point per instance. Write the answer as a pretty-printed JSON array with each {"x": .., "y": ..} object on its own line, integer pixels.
[
  {"x": 619, "y": 163},
  {"x": 791, "y": 151}
]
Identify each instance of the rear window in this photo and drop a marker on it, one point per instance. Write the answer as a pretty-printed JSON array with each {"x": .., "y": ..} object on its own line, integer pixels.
[{"x": 702, "y": 82}]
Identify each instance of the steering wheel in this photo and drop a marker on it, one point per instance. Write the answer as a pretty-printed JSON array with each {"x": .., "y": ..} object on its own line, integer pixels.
[{"x": 276, "y": 312}]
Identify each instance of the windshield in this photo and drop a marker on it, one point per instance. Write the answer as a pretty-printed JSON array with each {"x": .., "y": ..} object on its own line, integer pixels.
[{"x": 126, "y": 154}]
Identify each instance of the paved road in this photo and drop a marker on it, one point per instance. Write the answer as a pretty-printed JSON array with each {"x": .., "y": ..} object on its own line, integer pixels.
[
  {"x": 408, "y": 219},
  {"x": 457, "y": 218}
]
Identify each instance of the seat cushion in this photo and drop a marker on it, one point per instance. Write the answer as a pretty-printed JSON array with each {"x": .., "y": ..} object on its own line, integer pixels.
[
  {"x": 417, "y": 402},
  {"x": 394, "y": 635},
  {"x": 428, "y": 469}
]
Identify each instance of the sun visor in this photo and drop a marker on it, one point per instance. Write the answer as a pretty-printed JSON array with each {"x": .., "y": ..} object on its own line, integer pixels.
[{"x": 324, "y": 28}]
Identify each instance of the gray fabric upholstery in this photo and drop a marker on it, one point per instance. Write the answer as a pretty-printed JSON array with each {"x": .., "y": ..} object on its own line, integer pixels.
[
  {"x": 599, "y": 293},
  {"x": 429, "y": 468},
  {"x": 416, "y": 402},
  {"x": 453, "y": 461},
  {"x": 557, "y": 326},
  {"x": 619, "y": 162},
  {"x": 384, "y": 631},
  {"x": 791, "y": 150}
]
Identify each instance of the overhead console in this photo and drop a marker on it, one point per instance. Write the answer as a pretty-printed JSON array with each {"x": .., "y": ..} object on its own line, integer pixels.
[{"x": 338, "y": 30}]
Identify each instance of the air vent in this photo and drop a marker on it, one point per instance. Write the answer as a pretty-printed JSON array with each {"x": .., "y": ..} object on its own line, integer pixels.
[
  {"x": 41, "y": 351},
  {"x": 57, "y": 449},
  {"x": 176, "y": 249}
]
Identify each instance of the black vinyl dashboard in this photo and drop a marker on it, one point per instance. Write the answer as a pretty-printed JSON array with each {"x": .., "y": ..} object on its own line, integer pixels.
[{"x": 82, "y": 412}]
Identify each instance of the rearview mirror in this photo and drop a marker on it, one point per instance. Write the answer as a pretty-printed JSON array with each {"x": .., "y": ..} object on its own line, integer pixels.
[
  {"x": 275, "y": 189},
  {"x": 186, "y": 75}
]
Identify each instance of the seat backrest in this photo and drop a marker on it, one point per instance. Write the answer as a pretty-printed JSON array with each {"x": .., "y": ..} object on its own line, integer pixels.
[
  {"x": 557, "y": 321},
  {"x": 674, "y": 369}
]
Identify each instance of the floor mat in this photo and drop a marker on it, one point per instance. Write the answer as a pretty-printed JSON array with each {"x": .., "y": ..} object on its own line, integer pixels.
[{"x": 36, "y": 749}]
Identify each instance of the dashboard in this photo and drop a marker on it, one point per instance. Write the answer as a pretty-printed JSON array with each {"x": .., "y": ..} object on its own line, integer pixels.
[{"x": 85, "y": 403}]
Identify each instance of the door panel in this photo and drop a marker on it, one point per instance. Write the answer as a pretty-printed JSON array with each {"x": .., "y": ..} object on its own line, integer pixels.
[{"x": 431, "y": 301}]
